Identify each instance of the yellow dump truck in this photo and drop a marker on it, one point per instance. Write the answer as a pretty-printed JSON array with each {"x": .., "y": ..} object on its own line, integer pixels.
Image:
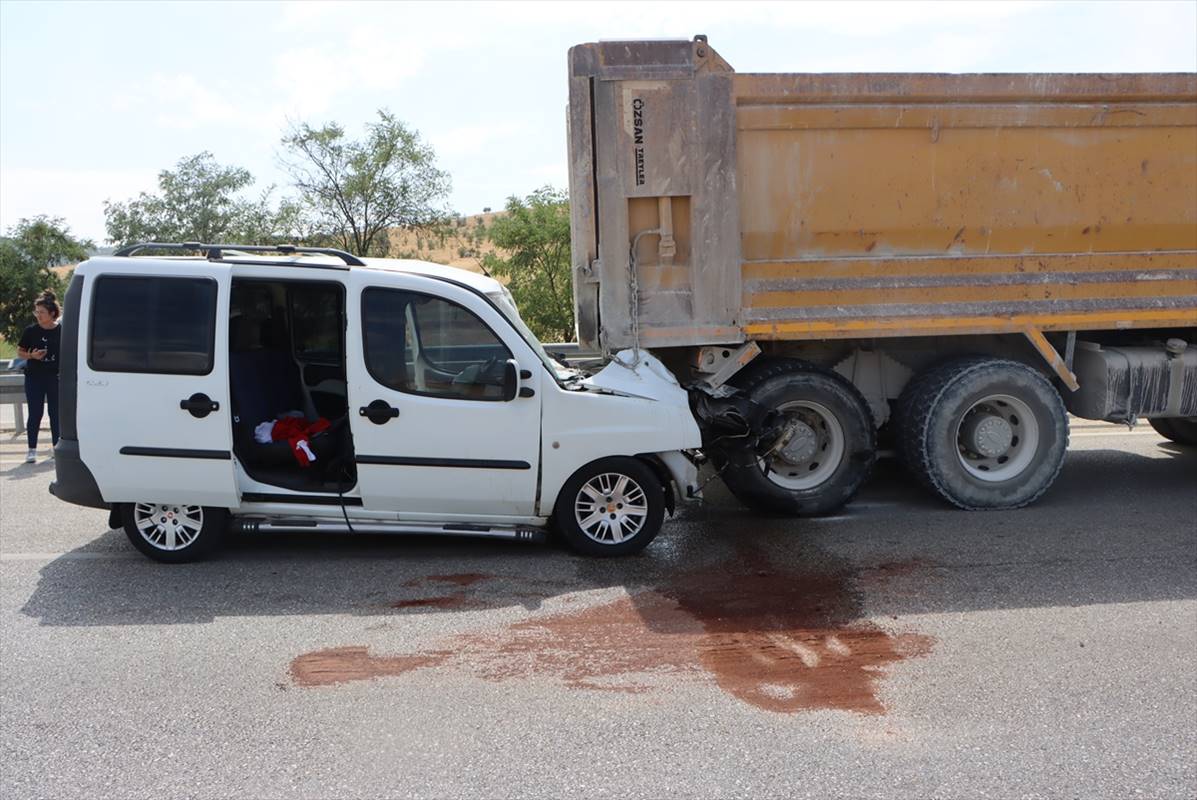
[{"x": 955, "y": 260}]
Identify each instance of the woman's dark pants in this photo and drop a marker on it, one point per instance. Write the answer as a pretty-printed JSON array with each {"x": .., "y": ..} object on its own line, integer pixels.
[{"x": 41, "y": 389}]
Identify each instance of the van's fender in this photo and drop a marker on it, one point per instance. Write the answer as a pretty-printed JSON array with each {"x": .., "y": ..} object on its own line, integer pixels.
[{"x": 626, "y": 410}]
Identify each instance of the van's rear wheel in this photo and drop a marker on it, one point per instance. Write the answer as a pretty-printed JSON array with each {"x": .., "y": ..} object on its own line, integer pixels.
[
  {"x": 818, "y": 453},
  {"x": 610, "y": 507},
  {"x": 1181, "y": 430},
  {"x": 174, "y": 533},
  {"x": 983, "y": 432}
]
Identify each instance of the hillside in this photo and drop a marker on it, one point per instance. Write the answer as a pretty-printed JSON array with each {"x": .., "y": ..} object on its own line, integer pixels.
[{"x": 461, "y": 243}]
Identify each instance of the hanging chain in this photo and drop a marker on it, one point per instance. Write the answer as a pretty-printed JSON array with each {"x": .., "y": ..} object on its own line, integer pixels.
[{"x": 633, "y": 303}]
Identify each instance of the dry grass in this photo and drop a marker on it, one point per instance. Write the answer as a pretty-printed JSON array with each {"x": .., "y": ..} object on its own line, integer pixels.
[{"x": 457, "y": 248}]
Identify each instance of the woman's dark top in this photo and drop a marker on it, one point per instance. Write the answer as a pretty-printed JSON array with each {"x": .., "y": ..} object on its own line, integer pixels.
[{"x": 36, "y": 337}]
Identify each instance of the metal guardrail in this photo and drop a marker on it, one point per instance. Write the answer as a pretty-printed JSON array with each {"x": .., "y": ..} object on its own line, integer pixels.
[
  {"x": 12, "y": 391},
  {"x": 569, "y": 349},
  {"x": 573, "y": 353}
]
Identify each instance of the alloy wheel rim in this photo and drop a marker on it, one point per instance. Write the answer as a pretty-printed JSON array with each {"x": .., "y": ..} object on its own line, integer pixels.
[
  {"x": 611, "y": 508},
  {"x": 168, "y": 526}
]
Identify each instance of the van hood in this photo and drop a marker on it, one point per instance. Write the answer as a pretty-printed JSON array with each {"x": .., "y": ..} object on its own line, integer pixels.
[{"x": 649, "y": 379}]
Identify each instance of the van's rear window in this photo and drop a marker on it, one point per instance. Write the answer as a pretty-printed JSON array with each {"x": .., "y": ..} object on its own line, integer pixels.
[{"x": 165, "y": 325}]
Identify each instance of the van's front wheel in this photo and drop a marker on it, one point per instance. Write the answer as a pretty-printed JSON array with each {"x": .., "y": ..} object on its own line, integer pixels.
[
  {"x": 610, "y": 507},
  {"x": 174, "y": 533}
]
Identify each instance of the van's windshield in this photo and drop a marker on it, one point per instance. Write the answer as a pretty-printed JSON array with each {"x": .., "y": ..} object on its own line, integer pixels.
[{"x": 506, "y": 304}]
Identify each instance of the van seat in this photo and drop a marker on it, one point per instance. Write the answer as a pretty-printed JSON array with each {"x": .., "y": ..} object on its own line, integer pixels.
[{"x": 264, "y": 383}]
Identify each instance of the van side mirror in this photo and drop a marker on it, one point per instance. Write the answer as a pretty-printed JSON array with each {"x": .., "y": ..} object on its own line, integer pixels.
[{"x": 511, "y": 379}]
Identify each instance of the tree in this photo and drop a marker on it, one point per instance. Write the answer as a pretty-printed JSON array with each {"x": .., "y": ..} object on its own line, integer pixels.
[
  {"x": 200, "y": 201},
  {"x": 534, "y": 233},
  {"x": 27, "y": 254},
  {"x": 357, "y": 190}
]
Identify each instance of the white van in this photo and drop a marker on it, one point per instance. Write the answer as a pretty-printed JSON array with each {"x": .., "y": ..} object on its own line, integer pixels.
[{"x": 181, "y": 369}]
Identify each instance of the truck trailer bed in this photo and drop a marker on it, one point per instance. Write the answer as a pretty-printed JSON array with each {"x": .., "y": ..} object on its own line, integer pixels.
[{"x": 830, "y": 206}]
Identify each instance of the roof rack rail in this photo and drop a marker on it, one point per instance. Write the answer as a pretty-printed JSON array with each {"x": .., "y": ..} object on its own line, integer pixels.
[{"x": 215, "y": 252}]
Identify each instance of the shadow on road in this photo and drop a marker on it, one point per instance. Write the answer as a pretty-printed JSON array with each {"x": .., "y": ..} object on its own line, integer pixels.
[
  {"x": 1095, "y": 516},
  {"x": 21, "y": 471},
  {"x": 785, "y": 614}
]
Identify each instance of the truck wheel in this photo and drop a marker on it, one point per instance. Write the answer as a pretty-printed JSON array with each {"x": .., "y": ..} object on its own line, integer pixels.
[
  {"x": 610, "y": 507},
  {"x": 826, "y": 448},
  {"x": 174, "y": 533},
  {"x": 983, "y": 432},
  {"x": 1179, "y": 429}
]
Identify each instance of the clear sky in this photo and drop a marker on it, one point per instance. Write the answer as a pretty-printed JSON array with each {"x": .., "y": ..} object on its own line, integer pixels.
[{"x": 97, "y": 97}]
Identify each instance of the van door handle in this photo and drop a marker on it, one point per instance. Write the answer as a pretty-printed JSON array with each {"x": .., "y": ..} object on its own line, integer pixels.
[
  {"x": 199, "y": 405},
  {"x": 379, "y": 412}
]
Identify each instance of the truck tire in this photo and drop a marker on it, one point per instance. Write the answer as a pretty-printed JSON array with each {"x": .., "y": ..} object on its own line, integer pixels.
[
  {"x": 174, "y": 533},
  {"x": 610, "y": 507},
  {"x": 1182, "y": 430},
  {"x": 830, "y": 453},
  {"x": 983, "y": 432}
]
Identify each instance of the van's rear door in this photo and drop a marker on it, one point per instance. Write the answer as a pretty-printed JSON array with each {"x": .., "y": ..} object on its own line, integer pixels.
[{"x": 153, "y": 387}]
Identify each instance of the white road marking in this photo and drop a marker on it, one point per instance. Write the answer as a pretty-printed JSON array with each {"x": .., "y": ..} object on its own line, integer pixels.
[
  {"x": 809, "y": 657},
  {"x": 838, "y": 647},
  {"x": 1115, "y": 434}
]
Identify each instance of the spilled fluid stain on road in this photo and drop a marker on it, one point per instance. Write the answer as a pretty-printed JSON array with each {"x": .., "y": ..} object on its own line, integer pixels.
[
  {"x": 786, "y": 642},
  {"x": 458, "y": 579},
  {"x": 778, "y": 640},
  {"x": 445, "y": 601}
]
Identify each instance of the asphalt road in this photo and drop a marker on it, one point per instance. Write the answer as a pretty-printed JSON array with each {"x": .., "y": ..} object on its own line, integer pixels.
[{"x": 900, "y": 649}]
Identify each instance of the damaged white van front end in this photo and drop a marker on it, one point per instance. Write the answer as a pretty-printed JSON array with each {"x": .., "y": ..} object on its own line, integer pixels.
[{"x": 636, "y": 410}]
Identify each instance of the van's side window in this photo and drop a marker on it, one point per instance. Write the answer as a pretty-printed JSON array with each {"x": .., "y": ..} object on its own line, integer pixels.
[
  {"x": 426, "y": 345},
  {"x": 316, "y": 323},
  {"x": 164, "y": 325}
]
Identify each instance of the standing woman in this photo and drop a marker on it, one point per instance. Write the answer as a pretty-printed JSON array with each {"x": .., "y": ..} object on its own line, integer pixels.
[{"x": 39, "y": 344}]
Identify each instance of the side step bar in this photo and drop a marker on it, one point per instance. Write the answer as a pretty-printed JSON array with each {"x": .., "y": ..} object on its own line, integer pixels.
[{"x": 252, "y": 525}]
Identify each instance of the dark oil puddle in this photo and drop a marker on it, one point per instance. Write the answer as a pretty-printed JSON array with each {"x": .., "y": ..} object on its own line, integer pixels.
[
  {"x": 457, "y": 579},
  {"x": 464, "y": 596},
  {"x": 782, "y": 641},
  {"x": 446, "y": 601}
]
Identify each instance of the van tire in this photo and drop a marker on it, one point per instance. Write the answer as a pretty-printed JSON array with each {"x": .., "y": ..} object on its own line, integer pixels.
[
  {"x": 935, "y": 413},
  {"x": 1181, "y": 430},
  {"x": 609, "y": 482},
  {"x": 166, "y": 525},
  {"x": 835, "y": 414}
]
